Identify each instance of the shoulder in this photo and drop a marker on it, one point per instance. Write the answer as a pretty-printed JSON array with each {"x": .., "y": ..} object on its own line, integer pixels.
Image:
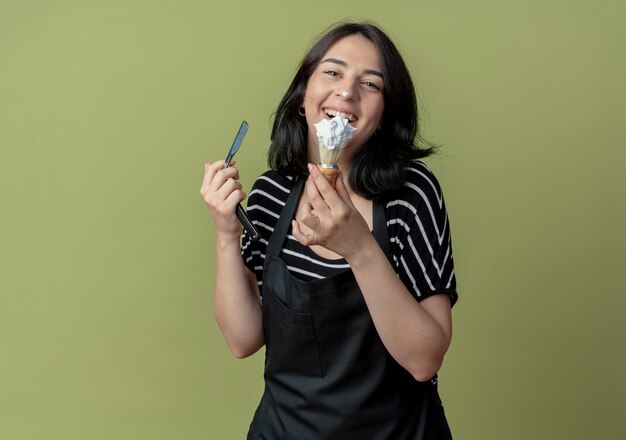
[
  {"x": 420, "y": 177},
  {"x": 420, "y": 189},
  {"x": 273, "y": 182},
  {"x": 419, "y": 234}
]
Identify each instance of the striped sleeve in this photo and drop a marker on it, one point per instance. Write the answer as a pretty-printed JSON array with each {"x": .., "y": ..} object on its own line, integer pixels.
[
  {"x": 419, "y": 235},
  {"x": 265, "y": 203}
]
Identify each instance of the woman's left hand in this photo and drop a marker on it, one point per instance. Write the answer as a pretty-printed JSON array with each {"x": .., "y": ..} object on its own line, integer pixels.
[{"x": 332, "y": 218}]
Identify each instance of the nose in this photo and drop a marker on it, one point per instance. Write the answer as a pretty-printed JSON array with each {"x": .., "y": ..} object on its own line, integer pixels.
[{"x": 346, "y": 92}]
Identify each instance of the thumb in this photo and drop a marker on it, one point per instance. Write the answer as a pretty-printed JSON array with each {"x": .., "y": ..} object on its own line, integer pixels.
[{"x": 341, "y": 189}]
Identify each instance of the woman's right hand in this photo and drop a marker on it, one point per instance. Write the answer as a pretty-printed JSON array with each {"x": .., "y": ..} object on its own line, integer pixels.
[
  {"x": 237, "y": 305},
  {"x": 222, "y": 192}
]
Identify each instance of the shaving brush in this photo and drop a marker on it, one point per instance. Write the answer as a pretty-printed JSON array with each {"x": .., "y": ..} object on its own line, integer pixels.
[{"x": 332, "y": 137}]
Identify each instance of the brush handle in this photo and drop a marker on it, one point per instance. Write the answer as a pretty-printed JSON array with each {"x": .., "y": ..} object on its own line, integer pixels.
[{"x": 330, "y": 172}]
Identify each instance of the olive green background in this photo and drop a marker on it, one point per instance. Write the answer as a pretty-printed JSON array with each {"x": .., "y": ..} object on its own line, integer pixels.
[{"x": 108, "y": 110}]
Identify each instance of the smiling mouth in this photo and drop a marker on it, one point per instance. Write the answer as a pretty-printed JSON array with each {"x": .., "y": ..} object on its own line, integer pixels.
[{"x": 331, "y": 113}]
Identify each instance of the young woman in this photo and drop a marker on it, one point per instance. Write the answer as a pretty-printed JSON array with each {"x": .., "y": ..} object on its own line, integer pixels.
[{"x": 350, "y": 288}]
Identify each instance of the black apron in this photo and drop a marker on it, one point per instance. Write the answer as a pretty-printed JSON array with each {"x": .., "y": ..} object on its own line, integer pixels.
[{"x": 327, "y": 373}]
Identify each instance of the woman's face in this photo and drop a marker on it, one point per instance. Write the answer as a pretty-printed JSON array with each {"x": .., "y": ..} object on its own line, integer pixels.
[{"x": 348, "y": 82}]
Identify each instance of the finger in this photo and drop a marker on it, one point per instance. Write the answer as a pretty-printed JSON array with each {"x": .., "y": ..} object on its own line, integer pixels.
[
  {"x": 213, "y": 188},
  {"x": 234, "y": 198},
  {"x": 210, "y": 169},
  {"x": 226, "y": 199},
  {"x": 225, "y": 211},
  {"x": 209, "y": 172},
  {"x": 204, "y": 185},
  {"x": 342, "y": 190},
  {"x": 314, "y": 223},
  {"x": 325, "y": 189},
  {"x": 221, "y": 176},
  {"x": 316, "y": 200},
  {"x": 229, "y": 187},
  {"x": 304, "y": 239},
  {"x": 218, "y": 164}
]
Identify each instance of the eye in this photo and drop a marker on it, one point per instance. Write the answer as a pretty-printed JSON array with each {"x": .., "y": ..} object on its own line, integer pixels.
[
  {"x": 331, "y": 73},
  {"x": 371, "y": 85}
]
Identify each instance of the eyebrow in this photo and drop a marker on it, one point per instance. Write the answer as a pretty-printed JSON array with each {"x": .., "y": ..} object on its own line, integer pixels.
[{"x": 344, "y": 64}]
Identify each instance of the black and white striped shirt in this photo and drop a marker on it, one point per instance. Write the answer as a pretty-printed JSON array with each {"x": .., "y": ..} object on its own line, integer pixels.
[{"x": 417, "y": 223}]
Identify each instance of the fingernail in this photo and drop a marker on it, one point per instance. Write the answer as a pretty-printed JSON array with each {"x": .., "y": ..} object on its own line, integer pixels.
[{"x": 310, "y": 167}]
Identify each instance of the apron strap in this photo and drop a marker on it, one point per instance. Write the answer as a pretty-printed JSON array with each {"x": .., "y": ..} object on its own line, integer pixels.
[
  {"x": 284, "y": 221},
  {"x": 380, "y": 230}
]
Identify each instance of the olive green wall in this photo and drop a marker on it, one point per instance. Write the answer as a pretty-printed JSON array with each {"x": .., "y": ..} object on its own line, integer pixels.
[{"x": 108, "y": 110}]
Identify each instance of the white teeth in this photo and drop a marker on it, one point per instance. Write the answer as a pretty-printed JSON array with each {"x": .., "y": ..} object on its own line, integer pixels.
[{"x": 332, "y": 112}]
